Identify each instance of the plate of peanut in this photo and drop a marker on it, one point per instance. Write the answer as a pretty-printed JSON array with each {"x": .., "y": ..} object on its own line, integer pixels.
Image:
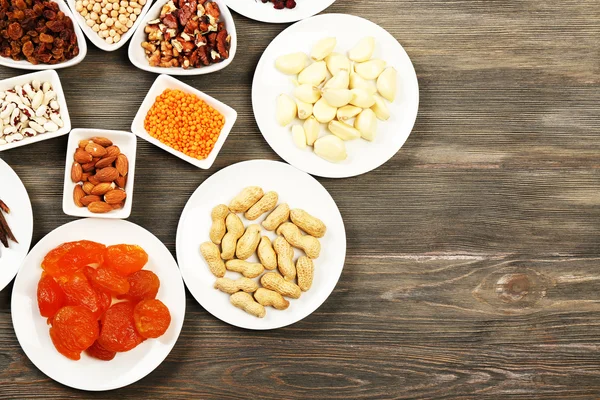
[{"x": 261, "y": 245}]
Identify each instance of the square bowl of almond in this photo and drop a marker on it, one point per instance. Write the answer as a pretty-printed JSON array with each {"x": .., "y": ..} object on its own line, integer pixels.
[{"x": 99, "y": 173}]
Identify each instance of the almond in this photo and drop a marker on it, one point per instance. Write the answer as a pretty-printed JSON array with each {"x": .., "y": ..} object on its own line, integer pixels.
[
  {"x": 105, "y": 162},
  {"x": 88, "y": 167},
  {"x": 76, "y": 172},
  {"x": 83, "y": 143},
  {"x": 85, "y": 176},
  {"x": 93, "y": 180},
  {"x": 115, "y": 196},
  {"x": 113, "y": 151},
  {"x": 99, "y": 207},
  {"x": 102, "y": 141},
  {"x": 101, "y": 188},
  {"x": 122, "y": 164},
  {"x": 95, "y": 150},
  {"x": 87, "y": 187},
  {"x": 107, "y": 174},
  {"x": 89, "y": 199},
  {"x": 78, "y": 194},
  {"x": 117, "y": 206},
  {"x": 121, "y": 181},
  {"x": 82, "y": 156}
]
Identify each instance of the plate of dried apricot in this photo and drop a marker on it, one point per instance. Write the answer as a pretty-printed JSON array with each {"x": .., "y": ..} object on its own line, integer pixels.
[
  {"x": 261, "y": 245},
  {"x": 98, "y": 304}
]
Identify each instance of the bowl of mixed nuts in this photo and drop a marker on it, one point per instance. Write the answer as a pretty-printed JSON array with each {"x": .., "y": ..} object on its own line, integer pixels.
[
  {"x": 40, "y": 34},
  {"x": 99, "y": 173},
  {"x": 32, "y": 109},
  {"x": 109, "y": 24},
  {"x": 184, "y": 37}
]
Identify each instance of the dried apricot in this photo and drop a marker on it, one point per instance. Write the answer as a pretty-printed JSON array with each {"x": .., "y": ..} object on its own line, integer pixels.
[
  {"x": 79, "y": 292},
  {"x": 72, "y": 256},
  {"x": 50, "y": 296},
  {"x": 152, "y": 318},
  {"x": 125, "y": 258},
  {"x": 74, "y": 329},
  {"x": 107, "y": 279},
  {"x": 97, "y": 351},
  {"x": 118, "y": 331},
  {"x": 143, "y": 285}
]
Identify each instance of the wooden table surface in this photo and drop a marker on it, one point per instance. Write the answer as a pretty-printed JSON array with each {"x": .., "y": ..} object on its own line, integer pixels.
[{"x": 473, "y": 255}]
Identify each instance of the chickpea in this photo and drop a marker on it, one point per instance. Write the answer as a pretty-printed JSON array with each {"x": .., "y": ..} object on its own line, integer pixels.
[
  {"x": 122, "y": 10},
  {"x": 124, "y": 3},
  {"x": 103, "y": 27},
  {"x": 97, "y": 8},
  {"x": 84, "y": 12},
  {"x": 96, "y": 28},
  {"x": 94, "y": 16},
  {"x": 109, "y": 7},
  {"x": 142, "y": 2},
  {"x": 90, "y": 23},
  {"x": 130, "y": 9},
  {"x": 89, "y": 7},
  {"x": 124, "y": 29},
  {"x": 103, "y": 17},
  {"x": 79, "y": 6},
  {"x": 114, "y": 13},
  {"x": 137, "y": 11},
  {"x": 109, "y": 40},
  {"x": 116, "y": 38},
  {"x": 133, "y": 17},
  {"x": 85, "y": 3},
  {"x": 118, "y": 24},
  {"x": 122, "y": 19},
  {"x": 129, "y": 23},
  {"x": 109, "y": 22}
]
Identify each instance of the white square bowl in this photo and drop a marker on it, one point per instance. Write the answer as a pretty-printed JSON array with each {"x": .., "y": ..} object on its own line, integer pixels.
[
  {"x": 96, "y": 39},
  {"x": 137, "y": 56},
  {"x": 127, "y": 143},
  {"x": 166, "y": 82},
  {"x": 43, "y": 76},
  {"x": 24, "y": 64}
]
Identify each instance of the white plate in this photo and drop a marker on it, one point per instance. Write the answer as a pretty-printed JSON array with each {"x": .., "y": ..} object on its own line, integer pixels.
[
  {"x": 43, "y": 76},
  {"x": 294, "y": 187},
  {"x": 166, "y": 82},
  {"x": 137, "y": 56},
  {"x": 127, "y": 143},
  {"x": 97, "y": 40},
  {"x": 20, "y": 221},
  {"x": 269, "y": 83},
  {"x": 89, "y": 373},
  {"x": 255, "y": 9},
  {"x": 24, "y": 64}
]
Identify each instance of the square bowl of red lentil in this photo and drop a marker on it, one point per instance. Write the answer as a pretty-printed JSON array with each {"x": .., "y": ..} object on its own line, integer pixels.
[{"x": 184, "y": 121}]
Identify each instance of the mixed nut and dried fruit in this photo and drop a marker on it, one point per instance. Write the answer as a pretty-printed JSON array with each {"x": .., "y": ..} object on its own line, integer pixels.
[
  {"x": 187, "y": 34},
  {"x": 185, "y": 123},
  {"x": 99, "y": 172},
  {"x": 110, "y": 19},
  {"x": 348, "y": 93},
  {"x": 36, "y": 31},
  {"x": 99, "y": 299},
  {"x": 27, "y": 111},
  {"x": 281, "y": 4},
  {"x": 285, "y": 276},
  {"x": 5, "y": 231}
]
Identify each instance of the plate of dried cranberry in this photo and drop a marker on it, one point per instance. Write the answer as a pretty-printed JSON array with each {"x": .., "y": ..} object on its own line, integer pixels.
[
  {"x": 98, "y": 304},
  {"x": 49, "y": 40},
  {"x": 184, "y": 37},
  {"x": 278, "y": 11}
]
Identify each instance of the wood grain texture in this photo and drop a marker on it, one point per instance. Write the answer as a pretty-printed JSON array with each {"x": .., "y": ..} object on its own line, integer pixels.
[{"x": 472, "y": 268}]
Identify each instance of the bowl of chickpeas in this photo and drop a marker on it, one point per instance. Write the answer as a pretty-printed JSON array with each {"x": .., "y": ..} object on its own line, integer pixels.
[
  {"x": 109, "y": 24},
  {"x": 184, "y": 121}
]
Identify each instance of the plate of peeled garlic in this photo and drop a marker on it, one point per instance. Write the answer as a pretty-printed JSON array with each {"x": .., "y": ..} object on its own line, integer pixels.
[{"x": 335, "y": 95}]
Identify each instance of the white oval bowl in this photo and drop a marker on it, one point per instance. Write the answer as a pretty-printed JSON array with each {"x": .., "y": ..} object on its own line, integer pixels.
[
  {"x": 24, "y": 64},
  {"x": 97, "y": 40},
  {"x": 137, "y": 56}
]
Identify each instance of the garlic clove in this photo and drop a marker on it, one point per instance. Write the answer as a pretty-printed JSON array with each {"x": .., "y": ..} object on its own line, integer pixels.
[
  {"x": 337, "y": 97},
  {"x": 312, "y": 129},
  {"x": 348, "y": 112},
  {"x": 357, "y": 82},
  {"x": 341, "y": 80},
  {"x": 314, "y": 74},
  {"x": 291, "y": 64},
  {"x": 324, "y": 112},
  {"x": 286, "y": 110},
  {"x": 362, "y": 98},
  {"x": 298, "y": 136},
  {"x": 370, "y": 69},
  {"x": 343, "y": 131},
  {"x": 380, "y": 109},
  {"x": 305, "y": 110},
  {"x": 337, "y": 62},
  {"x": 323, "y": 48},
  {"x": 366, "y": 124},
  {"x": 363, "y": 50},
  {"x": 387, "y": 83},
  {"x": 331, "y": 148},
  {"x": 307, "y": 93}
]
